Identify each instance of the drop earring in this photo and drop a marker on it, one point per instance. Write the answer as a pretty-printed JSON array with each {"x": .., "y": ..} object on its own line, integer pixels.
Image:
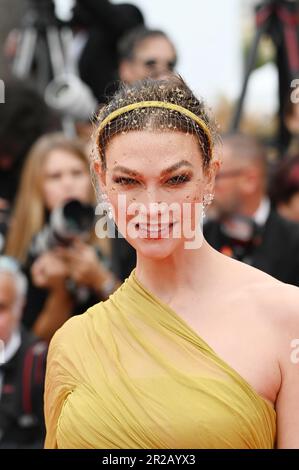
[
  {"x": 107, "y": 205},
  {"x": 109, "y": 212},
  {"x": 207, "y": 200}
]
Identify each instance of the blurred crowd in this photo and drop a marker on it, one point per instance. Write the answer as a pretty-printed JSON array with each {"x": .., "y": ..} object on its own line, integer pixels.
[{"x": 48, "y": 270}]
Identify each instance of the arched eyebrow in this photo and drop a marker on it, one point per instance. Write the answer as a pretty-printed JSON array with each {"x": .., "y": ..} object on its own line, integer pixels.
[
  {"x": 164, "y": 172},
  {"x": 176, "y": 166}
]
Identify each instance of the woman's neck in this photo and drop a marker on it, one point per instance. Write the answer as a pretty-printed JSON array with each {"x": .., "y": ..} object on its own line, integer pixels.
[{"x": 184, "y": 270}]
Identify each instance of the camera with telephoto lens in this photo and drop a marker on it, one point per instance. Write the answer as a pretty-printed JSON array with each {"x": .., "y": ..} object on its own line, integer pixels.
[
  {"x": 68, "y": 222},
  {"x": 63, "y": 90},
  {"x": 68, "y": 94}
]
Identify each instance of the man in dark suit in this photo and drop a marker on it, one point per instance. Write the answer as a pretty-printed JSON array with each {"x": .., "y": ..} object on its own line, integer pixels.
[
  {"x": 242, "y": 223},
  {"x": 104, "y": 23},
  {"x": 22, "y": 366}
]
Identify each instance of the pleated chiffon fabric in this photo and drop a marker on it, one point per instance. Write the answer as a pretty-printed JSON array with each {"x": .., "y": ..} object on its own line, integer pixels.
[{"x": 131, "y": 374}]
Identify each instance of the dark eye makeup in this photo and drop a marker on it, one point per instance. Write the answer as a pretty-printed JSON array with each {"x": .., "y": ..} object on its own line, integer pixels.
[
  {"x": 125, "y": 181},
  {"x": 179, "y": 179},
  {"x": 173, "y": 181}
]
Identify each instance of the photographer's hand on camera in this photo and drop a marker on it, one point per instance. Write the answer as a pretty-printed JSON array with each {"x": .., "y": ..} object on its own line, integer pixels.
[
  {"x": 53, "y": 269},
  {"x": 85, "y": 268},
  {"x": 50, "y": 271}
]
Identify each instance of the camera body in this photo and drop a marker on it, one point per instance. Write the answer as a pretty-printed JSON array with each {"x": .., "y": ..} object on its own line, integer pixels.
[
  {"x": 68, "y": 222},
  {"x": 68, "y": 94}
]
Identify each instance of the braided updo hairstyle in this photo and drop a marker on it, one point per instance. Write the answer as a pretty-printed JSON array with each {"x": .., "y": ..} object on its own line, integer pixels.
[{"x": 173, "y": 90}]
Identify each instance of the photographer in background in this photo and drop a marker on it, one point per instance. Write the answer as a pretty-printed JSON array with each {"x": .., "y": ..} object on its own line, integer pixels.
[
  {"x": 57, "y": 171},
  {"x": 23, "y": 370},
  {"x": 99, "y": 24},
  {"x": 23, "y": 118},
  {"x": 246, "y": 227},
  {"x": 145, "y": 53},
  {"x": 284, "y": 188}
]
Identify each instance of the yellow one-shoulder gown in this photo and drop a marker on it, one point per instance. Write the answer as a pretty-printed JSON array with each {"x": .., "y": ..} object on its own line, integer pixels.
[{"x": 130, "y": 373}]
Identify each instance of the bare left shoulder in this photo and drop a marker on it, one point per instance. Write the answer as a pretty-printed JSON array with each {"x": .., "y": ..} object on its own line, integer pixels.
[
  {"x": 273, "y": 300},
  {"x": 281, "y": 303},
  {"x": 277, "y": 306},
  {"x": 286, "y": 317},
  {"x": 284, "y": 303},
  {"x": 264, "y": 300},
  {"x": 276, "y": 321}
]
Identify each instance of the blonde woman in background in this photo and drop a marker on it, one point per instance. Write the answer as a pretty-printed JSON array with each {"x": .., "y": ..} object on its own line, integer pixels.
[{"x": 56, "y": 171}]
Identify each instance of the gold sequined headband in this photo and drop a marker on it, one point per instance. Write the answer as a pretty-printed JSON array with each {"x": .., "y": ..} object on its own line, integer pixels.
[{"x": 157, "y": 104}]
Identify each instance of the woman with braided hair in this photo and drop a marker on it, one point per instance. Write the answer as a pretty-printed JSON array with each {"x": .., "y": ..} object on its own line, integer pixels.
[{"x": 195, "y": 349}]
